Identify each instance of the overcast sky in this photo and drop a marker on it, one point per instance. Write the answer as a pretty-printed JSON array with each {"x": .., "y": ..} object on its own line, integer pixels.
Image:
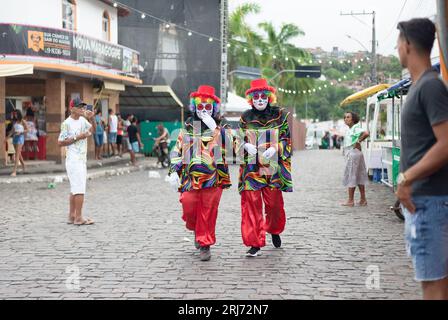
[{"x": 324, "y": 27}]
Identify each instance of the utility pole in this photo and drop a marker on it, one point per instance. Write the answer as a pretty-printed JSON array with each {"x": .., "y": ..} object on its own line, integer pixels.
[
  {"x": 374, "y": 69},
  {"x": 224, "y": 15}
]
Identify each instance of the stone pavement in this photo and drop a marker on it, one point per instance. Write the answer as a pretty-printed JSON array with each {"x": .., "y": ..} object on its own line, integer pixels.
[{"x": 139, "y": 247}]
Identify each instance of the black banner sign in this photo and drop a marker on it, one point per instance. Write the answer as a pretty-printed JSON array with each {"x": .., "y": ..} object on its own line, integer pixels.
[{"x": 60, "y": 44}]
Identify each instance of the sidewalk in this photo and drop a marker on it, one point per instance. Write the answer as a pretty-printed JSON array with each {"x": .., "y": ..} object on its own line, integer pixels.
[{"x": 49, "y": 171}]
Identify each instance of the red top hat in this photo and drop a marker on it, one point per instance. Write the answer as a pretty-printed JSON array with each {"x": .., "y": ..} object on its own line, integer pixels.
[
  {"x": 207, "y": 92},
  {"x": 260, "y": 85}
]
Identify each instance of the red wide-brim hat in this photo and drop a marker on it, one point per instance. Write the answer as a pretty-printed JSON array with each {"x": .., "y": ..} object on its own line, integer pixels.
[
  {"x": 207, "y": 92},
  {"x": 259, "y": 85}
]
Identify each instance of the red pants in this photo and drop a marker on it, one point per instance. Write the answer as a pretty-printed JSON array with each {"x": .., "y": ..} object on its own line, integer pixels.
[
  {"x": 253, "y": 224},
  {"x": 200, "y": 210}
]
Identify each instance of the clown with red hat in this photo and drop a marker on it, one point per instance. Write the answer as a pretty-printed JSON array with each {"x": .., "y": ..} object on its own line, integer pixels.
[
  {"x": 265, "y": 170},
  {"x": 199, "y": 170}
]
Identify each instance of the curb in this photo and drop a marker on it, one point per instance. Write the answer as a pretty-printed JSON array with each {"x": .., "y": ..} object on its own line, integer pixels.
[{"x": 93, "y": 174}]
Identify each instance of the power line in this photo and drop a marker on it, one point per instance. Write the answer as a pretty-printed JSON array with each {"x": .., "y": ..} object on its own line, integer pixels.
[{"x": 394, "y": 26}]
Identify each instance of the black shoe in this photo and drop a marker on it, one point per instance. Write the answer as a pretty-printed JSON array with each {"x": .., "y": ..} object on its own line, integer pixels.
[
  {"x": 205, "y": 254},
  {"x": 276, "y": 240},
  {"x": 253, "y": 252}
]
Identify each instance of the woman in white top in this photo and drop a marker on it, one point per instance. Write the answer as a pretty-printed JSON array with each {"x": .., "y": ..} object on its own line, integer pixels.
[{"x": 18, "y": 139}]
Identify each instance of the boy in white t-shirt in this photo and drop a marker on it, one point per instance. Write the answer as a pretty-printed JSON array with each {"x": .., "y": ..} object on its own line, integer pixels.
[{"x": 74, "y": 133}]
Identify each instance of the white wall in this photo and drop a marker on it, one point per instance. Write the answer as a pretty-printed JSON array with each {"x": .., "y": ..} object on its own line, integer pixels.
[
  {"x": 48, "y": 13},
  {"x": 90, "y": 18},
  {"x": 45, "y": 13}
]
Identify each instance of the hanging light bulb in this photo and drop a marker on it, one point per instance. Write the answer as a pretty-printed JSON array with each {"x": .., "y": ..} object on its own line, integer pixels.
[
  {"x": 143, "y": 16},
  {"x": 260, "y": 53},
  {"x": 228, "y": 45},
  {"x": 167, "y": 26},
  {"x": 115, "y": 5},
  {"x": 190, "y": 34},
  {"x": 245, "y": 50},
  {"x": 274, "y": 56},
  {"x": 304, "y": 92},
  {"x": 210, "y": 39},
  {"x": 286, "y": 59}
]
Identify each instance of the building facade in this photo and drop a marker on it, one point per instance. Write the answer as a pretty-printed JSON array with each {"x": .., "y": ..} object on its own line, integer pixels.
[{"x": 71, "y": 48}]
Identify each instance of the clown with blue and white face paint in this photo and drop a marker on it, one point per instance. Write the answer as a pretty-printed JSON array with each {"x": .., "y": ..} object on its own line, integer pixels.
[{"x": 265, "y": 171}]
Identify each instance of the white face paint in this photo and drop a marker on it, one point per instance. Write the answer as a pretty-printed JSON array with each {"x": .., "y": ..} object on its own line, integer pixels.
[
  {"x": 204, "y": 108},
  {"x": 260, "y": 100}
]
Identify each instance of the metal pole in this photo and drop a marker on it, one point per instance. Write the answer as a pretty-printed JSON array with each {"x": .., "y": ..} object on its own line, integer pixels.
[
  {"x": 374, "y": 60},
  {"x": 224, "y": 25},
  {"x": 306, "y": 107}
]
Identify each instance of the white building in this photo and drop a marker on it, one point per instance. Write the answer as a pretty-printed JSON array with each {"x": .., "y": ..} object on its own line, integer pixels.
[{"x": 54, "y": 50}]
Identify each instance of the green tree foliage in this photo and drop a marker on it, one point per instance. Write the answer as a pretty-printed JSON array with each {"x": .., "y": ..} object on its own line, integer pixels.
[{"x": 271, "y": 50}]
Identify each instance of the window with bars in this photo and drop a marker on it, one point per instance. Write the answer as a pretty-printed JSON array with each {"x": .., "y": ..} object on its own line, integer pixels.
[{"x": 106, "y": 26}]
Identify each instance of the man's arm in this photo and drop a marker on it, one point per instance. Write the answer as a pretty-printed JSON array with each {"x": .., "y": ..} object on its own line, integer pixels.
[
  {"x": 139, "y": 140},
  {"x": 69, "y": 141},
  {"x": 434, "y": 159}
]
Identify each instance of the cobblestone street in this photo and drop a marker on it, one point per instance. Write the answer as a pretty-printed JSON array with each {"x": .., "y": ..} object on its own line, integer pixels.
[{"x": 139, "y": 247}]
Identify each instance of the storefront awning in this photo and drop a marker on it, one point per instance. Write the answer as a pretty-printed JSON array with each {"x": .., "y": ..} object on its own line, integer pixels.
[
  {"x": 152, "y": 103},
  {"x": 149, "y": 96},
  {"x": 114, "y": 86},
  {"x": 8, "y": 70}
]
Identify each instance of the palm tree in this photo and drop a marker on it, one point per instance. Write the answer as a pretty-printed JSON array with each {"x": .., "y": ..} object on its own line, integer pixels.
[
  {"x": 244, "y": 41},
  {"x": 283, "y": 55},
  {"x": 270, "y": 52}
]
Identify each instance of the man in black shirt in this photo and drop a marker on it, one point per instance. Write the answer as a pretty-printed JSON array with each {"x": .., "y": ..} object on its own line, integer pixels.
[
  {"x": 135, "y": 143},
  {"x": 423, "y": 181}
]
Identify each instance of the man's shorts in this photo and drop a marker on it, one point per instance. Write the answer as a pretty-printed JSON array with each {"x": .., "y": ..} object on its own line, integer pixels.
[
  {"x": 77, "y": 175},
  {"x": 119, "y": 139},
  {"x": 135, "y": 147},
  {"x": 112, "y": 137},
  {"x": 426, "y": 233},
  {"x": 98, "y": 139}
]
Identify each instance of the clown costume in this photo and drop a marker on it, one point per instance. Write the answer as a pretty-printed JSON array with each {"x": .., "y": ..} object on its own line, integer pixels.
[
  {"x": 198, "y": 167},
  {"x": 264, "y": 147}
]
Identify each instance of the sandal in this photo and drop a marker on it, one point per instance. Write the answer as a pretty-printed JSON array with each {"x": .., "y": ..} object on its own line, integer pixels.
[
  {"x": 348, "y": 204},
  {"x": 362, "y": 203},
  {"x": 86, "y": 222}
]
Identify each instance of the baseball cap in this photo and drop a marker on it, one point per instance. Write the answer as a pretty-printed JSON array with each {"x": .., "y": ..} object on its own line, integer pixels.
[{"x": 77, "y": 102}]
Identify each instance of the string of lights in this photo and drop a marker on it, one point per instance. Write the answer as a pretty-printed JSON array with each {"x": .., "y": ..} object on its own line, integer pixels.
[{"x": 166, "y": 23}]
